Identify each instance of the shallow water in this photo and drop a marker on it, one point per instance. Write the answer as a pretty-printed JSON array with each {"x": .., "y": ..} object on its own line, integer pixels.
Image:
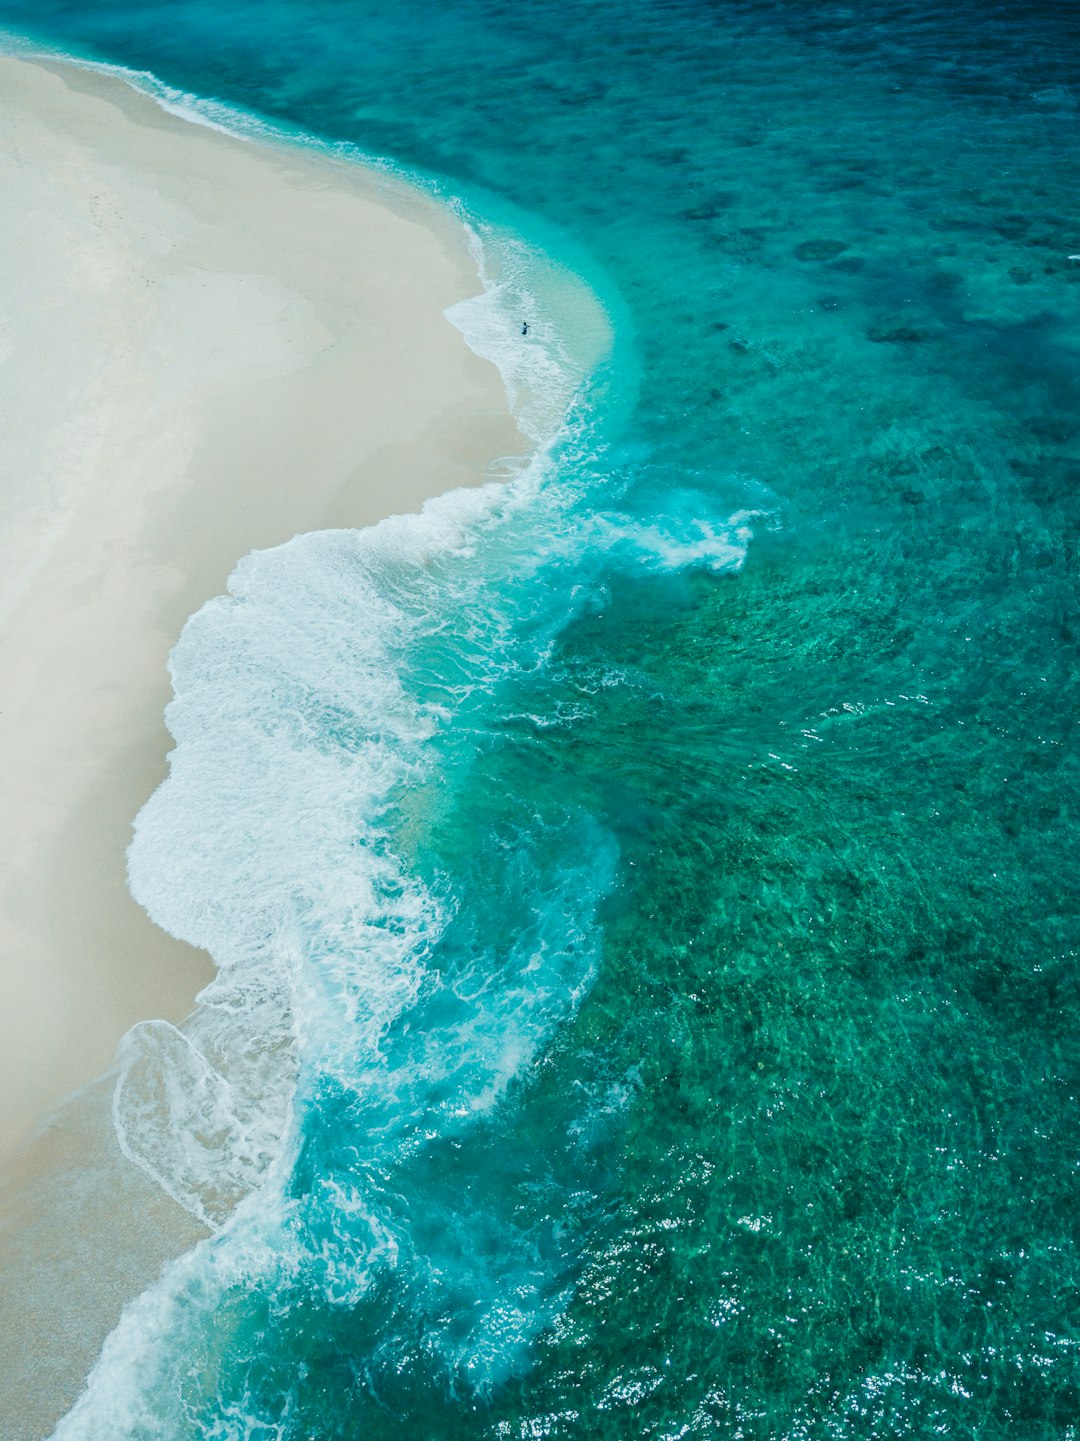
[{"x": 668, "y": 922}]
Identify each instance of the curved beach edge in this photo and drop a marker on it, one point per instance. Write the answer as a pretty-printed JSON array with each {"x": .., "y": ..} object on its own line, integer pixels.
[{"x": 213, "y": 345}]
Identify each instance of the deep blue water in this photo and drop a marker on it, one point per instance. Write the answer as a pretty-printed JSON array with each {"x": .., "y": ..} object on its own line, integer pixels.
[{"x": 675, "y": 884}]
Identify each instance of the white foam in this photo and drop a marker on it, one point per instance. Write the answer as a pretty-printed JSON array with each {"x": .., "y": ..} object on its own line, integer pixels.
[
  {"x": 228, "y": 119},
  {"x": 568, "y": 333},
  {"x": 689, "y": 543},
  {"x": 266, "y": 847}
]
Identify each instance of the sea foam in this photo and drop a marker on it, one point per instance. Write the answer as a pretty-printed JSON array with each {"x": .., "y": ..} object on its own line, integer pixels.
[{"x": 360, "y": 1010}]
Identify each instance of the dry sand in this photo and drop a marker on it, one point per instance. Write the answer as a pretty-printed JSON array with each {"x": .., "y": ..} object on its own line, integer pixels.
[{"x": 206, "y": 346}]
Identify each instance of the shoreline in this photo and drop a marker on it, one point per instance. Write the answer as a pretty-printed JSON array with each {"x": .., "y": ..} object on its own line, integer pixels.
[
  {"x": 240, "y": 342},
  {"x": 216, "y": 344}
]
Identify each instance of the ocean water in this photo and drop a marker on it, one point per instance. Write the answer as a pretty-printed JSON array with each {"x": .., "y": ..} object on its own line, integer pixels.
[{"x": 645, "y": 896}]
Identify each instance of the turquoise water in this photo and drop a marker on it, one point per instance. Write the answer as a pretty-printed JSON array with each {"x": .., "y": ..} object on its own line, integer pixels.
[{"x": 667, "y": 870}]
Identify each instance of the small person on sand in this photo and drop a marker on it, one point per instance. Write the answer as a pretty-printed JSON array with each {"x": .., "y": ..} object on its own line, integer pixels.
[{"x": 524, "y": 327}]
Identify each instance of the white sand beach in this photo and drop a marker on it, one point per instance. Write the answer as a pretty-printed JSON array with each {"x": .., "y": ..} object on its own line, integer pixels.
[{"x": 206, "y": 346}]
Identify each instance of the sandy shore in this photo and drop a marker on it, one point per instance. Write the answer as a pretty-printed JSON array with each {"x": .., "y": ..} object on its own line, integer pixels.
[{"x": 206, "y": 346}]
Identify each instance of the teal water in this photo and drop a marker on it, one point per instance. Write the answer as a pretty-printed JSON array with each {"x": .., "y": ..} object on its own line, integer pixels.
[{"x": 673, "y": 875}]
